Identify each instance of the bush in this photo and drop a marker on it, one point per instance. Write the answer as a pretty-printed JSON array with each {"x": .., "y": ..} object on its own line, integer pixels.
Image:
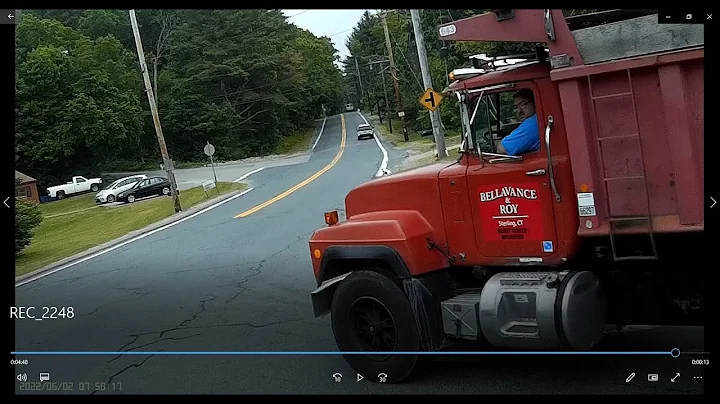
[{"x": 27, "y": 218}]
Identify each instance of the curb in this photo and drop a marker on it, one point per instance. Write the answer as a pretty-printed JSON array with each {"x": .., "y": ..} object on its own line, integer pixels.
[
  {"x": 69, "y": 261},
  {"x": 382, "y": 170}
]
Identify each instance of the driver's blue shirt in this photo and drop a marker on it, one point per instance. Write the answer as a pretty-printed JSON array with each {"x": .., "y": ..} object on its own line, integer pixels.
[{"x": 525, "y": 138}]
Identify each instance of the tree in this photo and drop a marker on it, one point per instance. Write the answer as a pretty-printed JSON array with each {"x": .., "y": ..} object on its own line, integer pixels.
[
  {"x": 75, "y": 99},
  {"x": 27, "y": 218},
  {"x": 241, "y": 79}
]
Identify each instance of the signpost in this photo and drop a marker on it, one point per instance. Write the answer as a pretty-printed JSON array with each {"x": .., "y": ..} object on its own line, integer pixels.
[
  {"x": 208, "y": 185},
  {"x": 209, "y": 150},
  {"x": 431, "y": 100}
]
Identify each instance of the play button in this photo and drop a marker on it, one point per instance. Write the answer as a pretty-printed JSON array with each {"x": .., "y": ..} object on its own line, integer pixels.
[{"x": 359, "y": 377}]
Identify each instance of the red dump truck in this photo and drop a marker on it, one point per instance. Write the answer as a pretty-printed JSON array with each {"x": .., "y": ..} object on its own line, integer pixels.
[{"x": 602, "y": 225}]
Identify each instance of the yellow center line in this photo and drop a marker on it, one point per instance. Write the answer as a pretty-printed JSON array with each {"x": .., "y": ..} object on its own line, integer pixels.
[{"x": 305, "y": 182}]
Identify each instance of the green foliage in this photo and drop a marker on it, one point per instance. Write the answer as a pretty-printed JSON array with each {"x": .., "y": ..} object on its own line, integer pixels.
[
  {"x": 367, "y": 43},
  {"x": 241, "y": 79},
  {"x": 27, "y": 218}
]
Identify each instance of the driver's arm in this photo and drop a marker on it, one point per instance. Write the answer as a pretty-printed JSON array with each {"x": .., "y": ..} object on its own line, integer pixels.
[
  {"x": 499, "y": 147},
  {"x": 523, "y": 139}
]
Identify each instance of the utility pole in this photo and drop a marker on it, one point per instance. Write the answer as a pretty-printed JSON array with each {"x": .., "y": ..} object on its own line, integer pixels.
[
  {"x": 357, "y": 69},
  {"x": 427, "y": 82},
  {"x": 387, "y": 103},
  {"x": 393, "y": 72},
  {"x": 167, "y": 163}
]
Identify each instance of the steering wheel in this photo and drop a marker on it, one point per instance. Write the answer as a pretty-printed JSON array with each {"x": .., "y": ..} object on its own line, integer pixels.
[{"x": 487, "y": 137}]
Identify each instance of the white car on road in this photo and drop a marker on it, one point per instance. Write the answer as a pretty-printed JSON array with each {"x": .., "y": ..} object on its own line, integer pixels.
[
  {"x": 364, "y": 130},
  {"x": 78, "y": 185},
  {"x": 110, "y": 193}
]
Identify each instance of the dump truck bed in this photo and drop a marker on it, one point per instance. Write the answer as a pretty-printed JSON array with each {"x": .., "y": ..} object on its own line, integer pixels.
[{"x": 635, "y": 132}]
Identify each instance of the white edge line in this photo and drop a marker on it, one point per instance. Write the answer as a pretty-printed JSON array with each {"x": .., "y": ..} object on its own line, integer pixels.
[
  {"x": 319, "y": 134},
  {"x": 249, "y": 174},
  {"x": 126, "y": 242},
  {"x": 382, "y": 170}
]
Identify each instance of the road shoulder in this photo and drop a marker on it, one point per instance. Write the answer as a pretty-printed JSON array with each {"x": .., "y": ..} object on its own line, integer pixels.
[{"x": 126, "y": 239}]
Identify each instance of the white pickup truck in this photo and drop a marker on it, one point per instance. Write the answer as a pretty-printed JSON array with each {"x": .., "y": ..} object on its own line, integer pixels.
[{"x": 76, "y": 186}]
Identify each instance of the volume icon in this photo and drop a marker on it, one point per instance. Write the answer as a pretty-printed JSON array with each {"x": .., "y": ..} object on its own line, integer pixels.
[{"x": 22, "y": 377}]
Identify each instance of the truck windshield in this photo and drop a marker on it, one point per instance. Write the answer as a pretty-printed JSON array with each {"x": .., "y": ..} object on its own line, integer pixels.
[{"x": 494, "y": 119}]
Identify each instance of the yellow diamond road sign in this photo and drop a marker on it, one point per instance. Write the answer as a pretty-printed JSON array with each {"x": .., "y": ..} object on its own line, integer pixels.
[{"x": 431, "y": 99}]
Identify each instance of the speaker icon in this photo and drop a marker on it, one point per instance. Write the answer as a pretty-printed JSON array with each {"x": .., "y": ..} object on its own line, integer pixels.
[{"x": 22, "y": 377}]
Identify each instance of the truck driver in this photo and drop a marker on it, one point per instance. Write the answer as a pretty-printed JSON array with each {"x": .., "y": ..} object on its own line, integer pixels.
[{"x": 526, "y": 137}]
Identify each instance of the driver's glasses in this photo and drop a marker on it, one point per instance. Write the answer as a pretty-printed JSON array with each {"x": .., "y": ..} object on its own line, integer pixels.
[{"x": 522, "y": 104}]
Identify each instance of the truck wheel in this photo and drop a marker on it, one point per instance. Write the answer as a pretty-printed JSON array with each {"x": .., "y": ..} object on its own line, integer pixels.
[
  {"x": 60, "y": 195},
  {"x": 371, "y": 313},
  {"x": 94, "y": 187}
]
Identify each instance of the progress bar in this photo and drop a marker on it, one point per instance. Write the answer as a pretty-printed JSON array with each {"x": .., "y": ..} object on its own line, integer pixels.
[{"x": 674, "y": 353}]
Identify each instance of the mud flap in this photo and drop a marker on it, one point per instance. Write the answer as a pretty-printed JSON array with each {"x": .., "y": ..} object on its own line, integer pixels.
[{"x": 426, "y": 316}]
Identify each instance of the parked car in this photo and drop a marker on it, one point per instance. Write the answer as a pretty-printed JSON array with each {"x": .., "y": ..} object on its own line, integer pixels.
[
  {"x": 349, "y": 107},
  {"x": 78, "y": 185},
  {"x": 364, "y": 131},
  {"x": 148, "y": 187},
  {"x": 109, "y": 194}
]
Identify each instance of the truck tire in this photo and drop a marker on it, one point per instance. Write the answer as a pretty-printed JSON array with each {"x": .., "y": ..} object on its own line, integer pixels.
[
  {"x": 60, "y": 195},
  {"x": 94, "y": 187},
  {"x": 371, "y": 313}
]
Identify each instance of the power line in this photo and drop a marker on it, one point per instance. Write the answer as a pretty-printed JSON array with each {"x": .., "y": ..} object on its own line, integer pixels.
[
  {"x": 295, "y": 15},
  {"x": 407, "y": 62}
]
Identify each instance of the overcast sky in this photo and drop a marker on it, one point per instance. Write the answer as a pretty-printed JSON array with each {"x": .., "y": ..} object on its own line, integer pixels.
[{"x": 337, "y": 24}]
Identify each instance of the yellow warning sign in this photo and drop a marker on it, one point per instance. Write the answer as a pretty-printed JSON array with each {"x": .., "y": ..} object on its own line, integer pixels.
[{"x": 430, "y": 99}]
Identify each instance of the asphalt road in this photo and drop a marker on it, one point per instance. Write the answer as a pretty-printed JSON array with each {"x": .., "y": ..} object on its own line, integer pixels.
[{"x": 220, "y": 283}]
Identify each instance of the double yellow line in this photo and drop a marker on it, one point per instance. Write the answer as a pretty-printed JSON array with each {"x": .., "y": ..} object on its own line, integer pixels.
[{"x": 305, "y": 182}]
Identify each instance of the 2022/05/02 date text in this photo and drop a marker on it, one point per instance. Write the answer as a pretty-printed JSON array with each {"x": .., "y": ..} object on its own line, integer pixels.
[
  {"x": 70, "y": 386},
  {"x": 41, "y": 313}
]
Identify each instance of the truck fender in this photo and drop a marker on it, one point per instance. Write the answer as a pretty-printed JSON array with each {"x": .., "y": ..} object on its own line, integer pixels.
[{"x": 339, "y": 261}]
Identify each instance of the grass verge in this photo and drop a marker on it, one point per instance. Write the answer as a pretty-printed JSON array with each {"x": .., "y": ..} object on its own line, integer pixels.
[
  {"x": 76, "y": 224},
  {"x": 415, "y": 143},
  {"x": 296, "y": 143},
  {"x": 453, "y": 155}
]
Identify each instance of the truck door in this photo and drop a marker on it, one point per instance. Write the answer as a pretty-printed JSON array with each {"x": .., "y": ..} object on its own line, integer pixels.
[
  {"x": 512, "y": 201},
  {"x": 81, "y": 185}
]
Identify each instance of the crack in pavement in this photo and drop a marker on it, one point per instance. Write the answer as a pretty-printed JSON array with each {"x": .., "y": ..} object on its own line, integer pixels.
[
  {"x": 95, "y": 310},
  {"x": 162, "y": 333},
  {"x": 153, "y": 343},
  {"x": 179, "y": 271},
  {"x": 196, "y": 327},
  {"x": 256, "y": 270},
  {"x": 123, "y": 370}
]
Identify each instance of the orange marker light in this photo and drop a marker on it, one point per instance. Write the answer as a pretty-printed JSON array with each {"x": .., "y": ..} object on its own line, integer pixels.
[
  {"x": 331, "y": 217},
  {"x": 316, "y": 253},
  {"x": 583, "y": 188},
  {"x": 451, "y": 76}
]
